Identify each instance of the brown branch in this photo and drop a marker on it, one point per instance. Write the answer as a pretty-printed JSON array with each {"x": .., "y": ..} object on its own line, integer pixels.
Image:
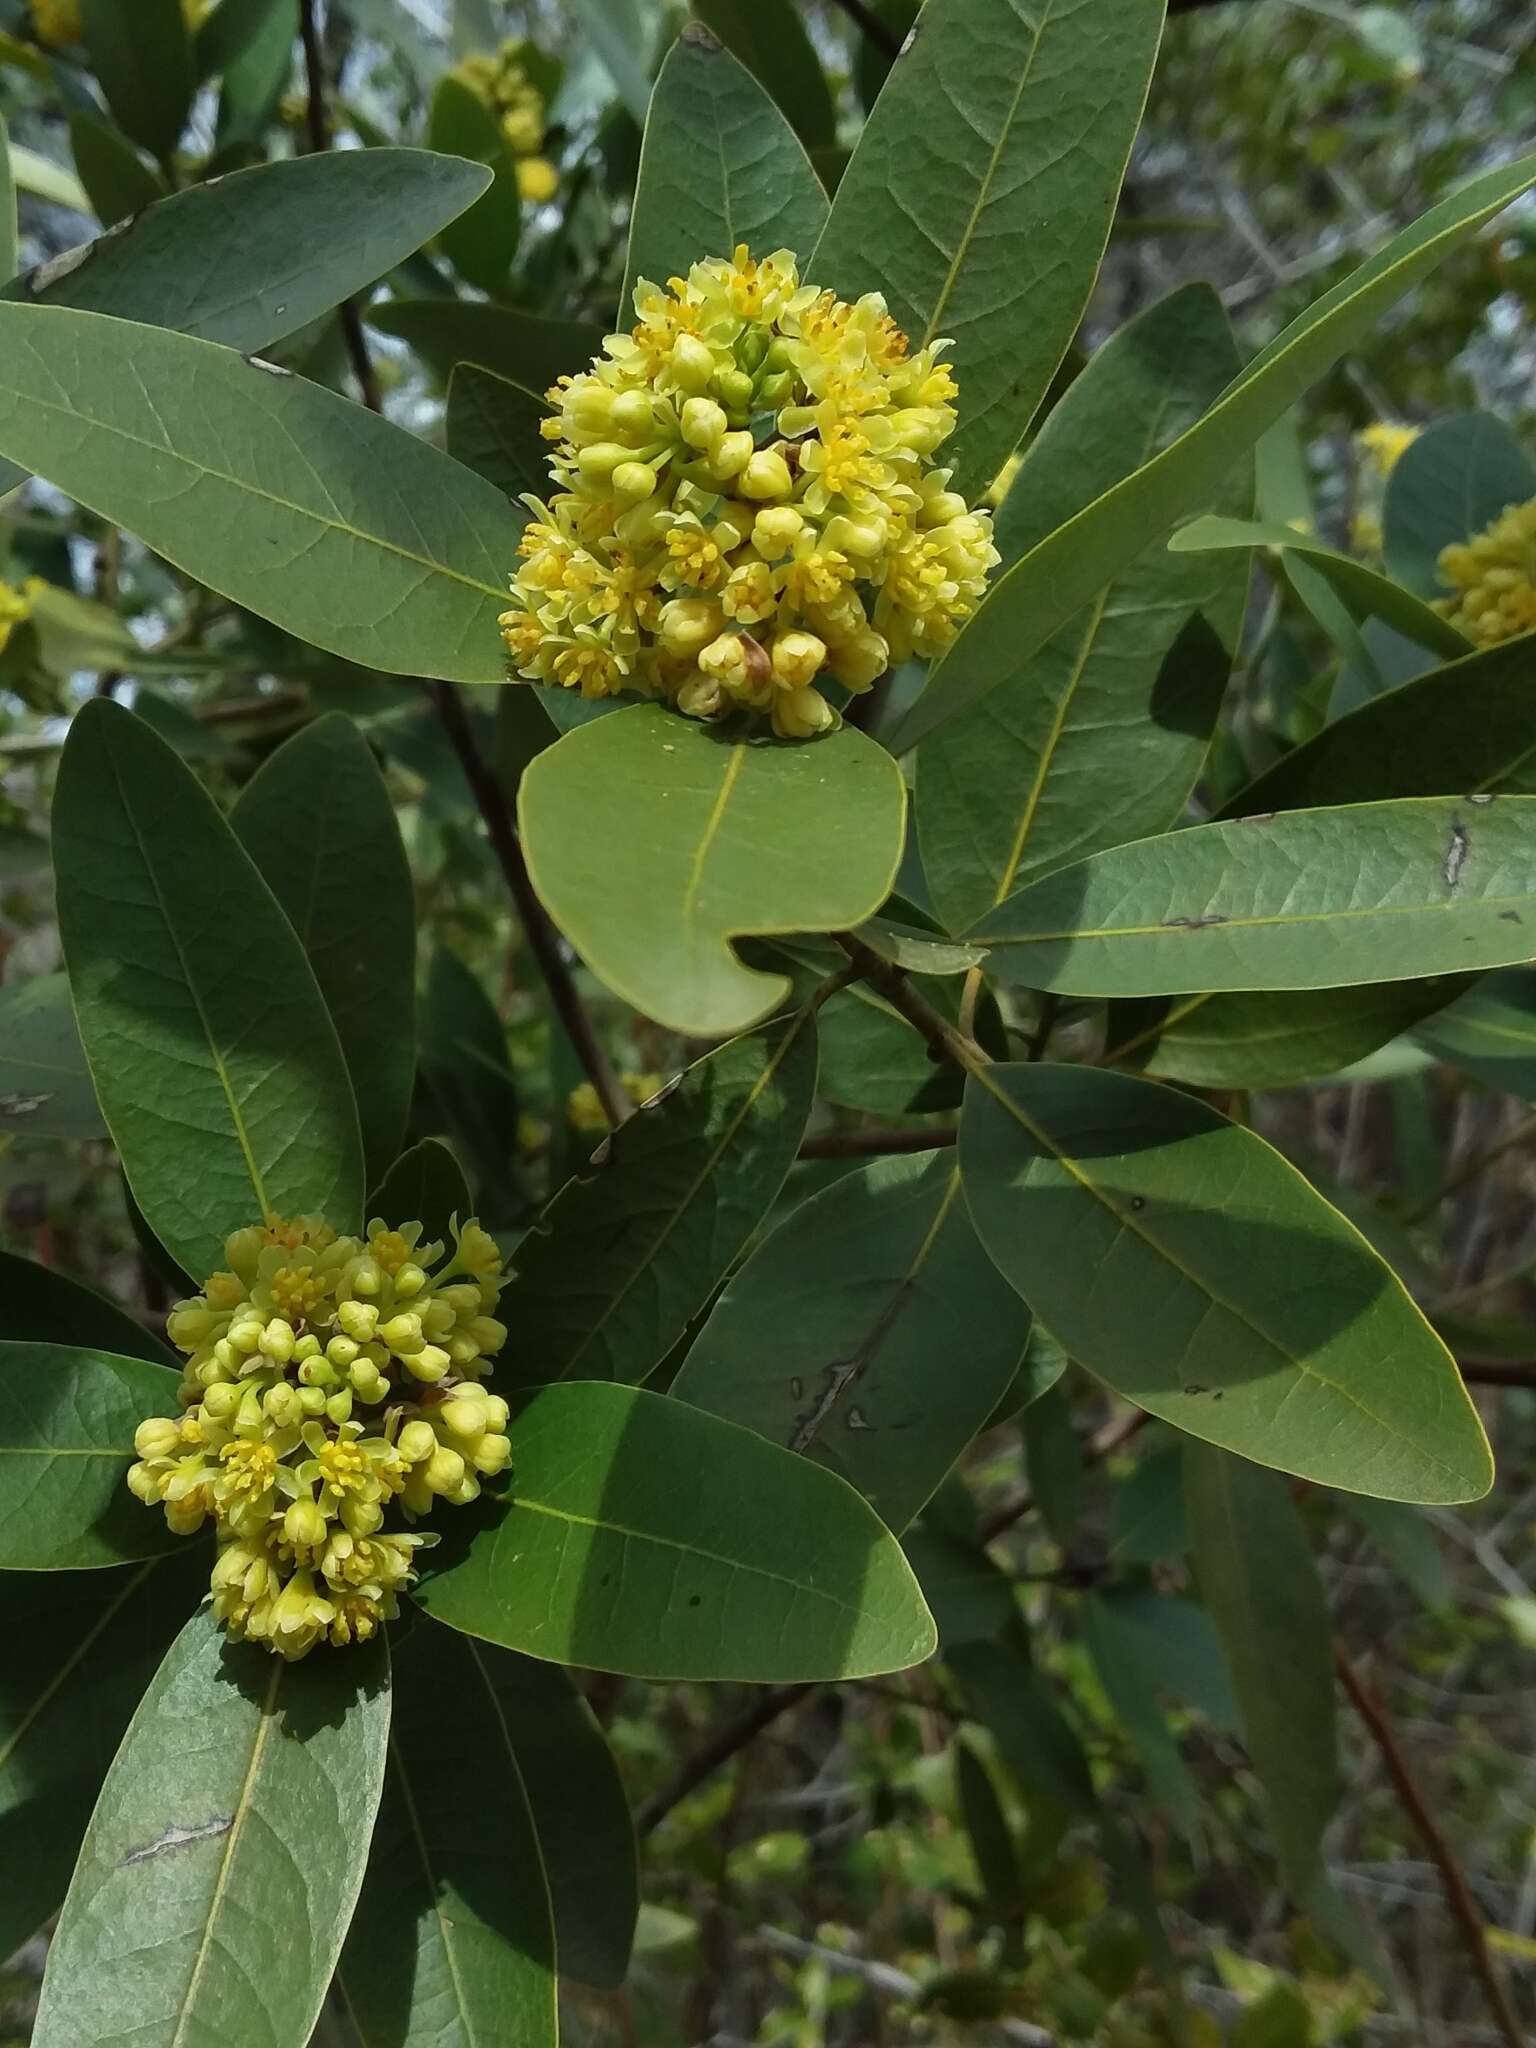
[
  {"x": 944, "y": 1040},
  {"x": 732, "y": 1736},
  {"x": 484, "y": 786},
  {"x": 878, "y": 30},
  {"x": 1458, "y": 1894},
  {"x": 1498, "y": 1372},
  {"x": 876, "y": 1144}
]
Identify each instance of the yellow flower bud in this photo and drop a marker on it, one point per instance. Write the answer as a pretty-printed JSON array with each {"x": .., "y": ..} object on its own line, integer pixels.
[
  {"x": 312, "y": 1400},
  {"x": 341, "y": 1351},
  {"x": 537, "y": 180},
  {"x": 634, "y": 481},
  {"x": 860, "y": 661},
  {"x": 402, "y": 1334},
  {"x": 305, "y": 1526},
  {"x": 220, "y": 1401},
  {"x": 633, "y": 416},
  {"x": 597, "y": 462},
  {"x": 358, "y": 1319},
  {"x": 491, "y": 1455},
  {"x": 409, "y": 1281},
  {"x": 704, "y": 424},
  {"x": 798, "y": 659},
  {"x": 732, "y": 455},
  {"x": 430, "y": 1363},
  {"x": 159, "y": 1437},
  {"x": 416, "y": 1442},
  {"x": 766, "y": 475},
  {"x": 775, "y": 531},
  {"x": 801, "y": 714},
  {"x": 445, "y": 1470},
  {"x": 686, "y": 624},
  {"x": 338, "y": 1406},
  {"x": 693, "y": 365}
]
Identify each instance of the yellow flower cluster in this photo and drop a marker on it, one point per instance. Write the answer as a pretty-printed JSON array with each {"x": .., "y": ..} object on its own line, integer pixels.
[
  {"x": 584, "y": 1108},
  {"x": 302, "y": 1331},
  {"x": 1382, "y": 445},
  {"x": 59, "y": 22},
  {"x": 1494, "y": 579},
  {"x": 502, "y": 83},
  {"x": 15, "y": 608},
  {"x": 746, "y": 502}
]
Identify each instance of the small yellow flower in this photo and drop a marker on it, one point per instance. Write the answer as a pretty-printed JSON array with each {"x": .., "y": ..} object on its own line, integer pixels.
[
  {"x": 502, "y": 84},
  {"x": 537, "y": 179},
  {"x": 1493, "y": 576},
  {"x": 584, "y": 1110},
  {"x": 1384, "y": 444},
  {"x": 57, "y": 22},
  {"x": 15, "y": 610}
]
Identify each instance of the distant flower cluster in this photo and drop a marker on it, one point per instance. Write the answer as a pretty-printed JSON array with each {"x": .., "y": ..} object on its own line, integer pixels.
[
  {"x": 501, "y": 82},
  {"x": 746, "y": 504},
  {"x": 15, "y": 608},
  {"x": 328, "y": 1381},
  {"x": 1493, "y": 576},
  {"x": 59, "y": 23}
]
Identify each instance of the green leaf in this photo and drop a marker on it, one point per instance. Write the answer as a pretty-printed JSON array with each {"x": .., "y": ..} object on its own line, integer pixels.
[
  {"x": 251, "y": 258},
  {"x": 726, "y": 838},
  {"x": 481, "y": 243},
  {"x": 230, "y": 1838},
  {"x": 991, "y": 1838},
  {"x": 436, "y": 1953},
  {"x": 1131, "y": 1690},
  {"x": 45, "y": 179},
  {"x": 1062, "y": 572},
  {"x": 980, "y": 196},
  {"x": 619, "y": 34},
  {"x": 256, "y": 76},
  {"x": 45, "y": 1085},
  {"x": 7, "y": 209},
  {"x": 1034, "y": 1738},
  {"x": 1365, "y": 593},
  {"x": 529, "y": 352},
  {"x": 142, "y": 58},
  {"x": 116, "y": 178},
  {"x": 971, "y": 1599},
  {"x": 1417, "y": 740},
  {"x": 1491, "y": 1032},
  {"x": 1192, "y": 1231},
  {"x": 467, "y": 1071},
  {"x": 67, "y": 1418},
  {"x": 344, "y": 884},
  {"x": 228, "y": 31},
  {"x": 1290, "y": 900},
  {"x": 294, "y": 502},
  {"x": 1148, "y": 1521},
  {"x": 43, "y": 1306},
  {"x": 1053, "y": 1463},
  {"x": 1099, "y": 738},
  {"x": 630, "y": 1250},
  {"x": 492, "y": 427},
  {"x": 1455, "y": 479},
  {"x": 426, "y": 1184},
  {"x": 218, "y": 1069},
  {"x": 720, "y": 166},
  {"x": 770, "y": 39},
  {"x": 836, "y": 1337},
  {"x": 1259, "y": 1581},
  {"x": 762, "y": 1567},
  {"x": 80, "y": 1649},
  {"x": 1406, "y": 1538},
  {"x": 1272, "y": 1040}
]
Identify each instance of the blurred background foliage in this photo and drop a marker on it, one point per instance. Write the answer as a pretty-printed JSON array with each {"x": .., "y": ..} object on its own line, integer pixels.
[{"x": 863, "y": 1871}]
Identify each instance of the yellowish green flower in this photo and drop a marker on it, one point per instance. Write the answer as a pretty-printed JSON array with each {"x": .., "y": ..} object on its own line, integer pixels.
[
  {"x": 584, "y": 1109},
  {"x": 745, "y": 503},
  {"x": 330, "y": 1382},
  {"x": 15, "y": 609},
  {"x": 1382, "y": 445},
  {"x": 1493, "y": 576},
  {"x": 501, "y": 82},
  {"x": 59, "y": 22}
]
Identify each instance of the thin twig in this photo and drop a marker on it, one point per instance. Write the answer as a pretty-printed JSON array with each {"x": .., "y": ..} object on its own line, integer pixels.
[
  {"x": 876, "y": 1144},
  {"x": 1104, "y": 1442},
  {"x": 1526, "y": 1128},
  {"x": 1458, "y": 1895},
  {"x": 734, "y": 1735},
  {"x": 870, "y": 24},
  {"x": 944, "y": 1039},
  {"x": 318, "y": 128},
  {"x": 884, "y": 1978}
]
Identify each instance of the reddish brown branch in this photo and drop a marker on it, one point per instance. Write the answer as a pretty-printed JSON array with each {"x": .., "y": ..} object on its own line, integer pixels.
[{"x": 1372, "y": 1710}]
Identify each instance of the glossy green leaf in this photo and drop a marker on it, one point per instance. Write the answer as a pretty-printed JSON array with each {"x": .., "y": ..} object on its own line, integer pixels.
[
  {"x": 46, "y": 1089},
  {"x": 229, "y": 30},
  {"x": 762, "y": 1567},
  {"x": 836, "y": 1338},
  {"x": 1053, "y": 1463},
  {"x": 80, "y": 1649},
  {"x": 67, "y": 1418},
  {"x": 479, "y": 1886},
  {"x": 770, "y": 39},
  {"x": 345, "y": 886},
  {"x": 1274, "y": 1039},
  {"x": 1454, "y": 480},
  {"x": 1491, "y": 1032},
  {"x": 1099, "y": 738},
  {"x": 1467, "y": 727},
  {"x": 1364, "y": 591},
  {"x": 142, "y": 58},
  {"x": 630, "y": 1250},
  {"x": 720, "y": 166},
  {"x": 467, "y": 1071},
  {"x": 425, "y": 1185},
  {"x": 307, "y": 509},
  {"x": 223, "y": 1860},
  {"x": 727, "y": 838},
  {"x": 257, "y": 73},
  {"x": 1161, "y": 1244},
  {"x": 1290, "y": 900},
  {"x": 218, "y": 1068},
  {"x": 1175, "y": 1641},
  {"x": 492, "y": 427},
  {"x": 253, "y": 257},
  {"x": 1063, "y": 572},
  {"x": 980, "y": 196},
  {"x": 1261, "y": 1585},
  {"x": 44, "y": 1306},
  {"x": 528, "y": 351},
  {"x": 482, "y": 242},
  {"x": 117, "y": 180}
]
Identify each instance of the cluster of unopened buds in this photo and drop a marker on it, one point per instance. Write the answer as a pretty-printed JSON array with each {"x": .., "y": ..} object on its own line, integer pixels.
[
  {"x": 61, "y": 22},
  {"x": 329, "y": 1380},
  {"x": 746, "y": 503},
  {"x": 1493, "y": 576},
  {"x": 502, "y": 84}
]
